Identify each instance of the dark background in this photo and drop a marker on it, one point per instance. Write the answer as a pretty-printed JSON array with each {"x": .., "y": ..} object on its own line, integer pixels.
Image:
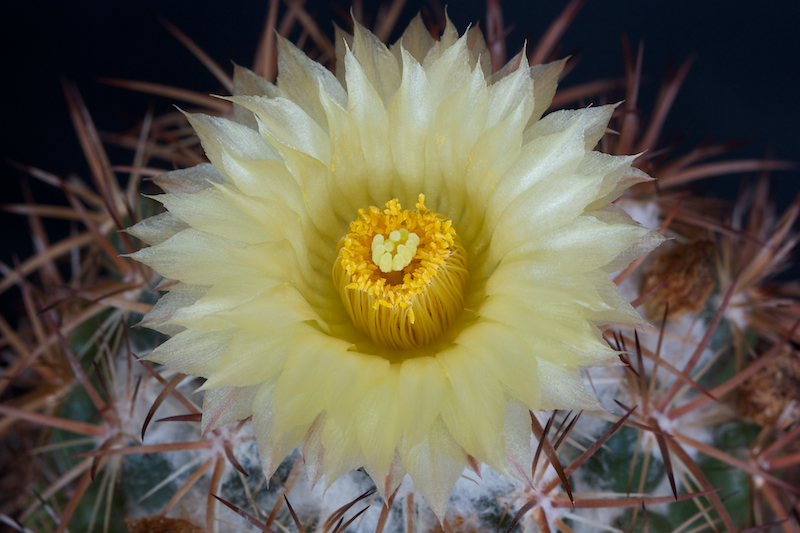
[{"x": 743, "y": 84}]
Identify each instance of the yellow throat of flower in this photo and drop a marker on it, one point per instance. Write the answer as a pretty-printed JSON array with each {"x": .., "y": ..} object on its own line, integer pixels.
[{"x": 401, "y": 274}]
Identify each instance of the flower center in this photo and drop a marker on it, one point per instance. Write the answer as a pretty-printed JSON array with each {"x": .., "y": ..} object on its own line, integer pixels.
[{"x": 401, "y": 274}]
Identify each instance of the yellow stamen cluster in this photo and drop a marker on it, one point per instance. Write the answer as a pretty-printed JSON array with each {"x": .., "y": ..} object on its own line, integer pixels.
[{"x": 401, "y": 274}]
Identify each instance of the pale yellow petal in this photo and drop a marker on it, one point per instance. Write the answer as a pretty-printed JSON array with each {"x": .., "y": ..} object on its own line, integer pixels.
[
  {"x": 271, "y": 310},
  {"x": 179, "y": 296},
  {"x": 557, "y": 331},
  {"x": 563, "y": 388},
  {"x": 188, "y": 180},
  {"x": 248, "y": 83},
  {"x": 348, "y": 382},
  {"x": 416, "y": 39},
  {"x": 209, "y": 211},
  {"x": 227, "y": 404},
  {"x": 380, "y": 409},
  {"x": 300, "y": 79},
  {"x": 273, "y": 445},
  {"x": 478, "y": 52},
  {"x": 387, "y": 484},
  {"x": 300, "y": 393},
  {"x": 410, "y": 113},
  {"x": 191, "y": 352},
  {"x": 223, "y": 296},
  {"x": 517, "y": 436},
  {"x": 380, "y": 65},
  {"x": 370, "y": 117},
  {"x": 221, "y": 136},
  {"x": 253, "y": 357},
  {"x": 347, "y": 168},
  {"x": 342, "y": 449},
  {"x": 158, "y": 228},
  {"x": 447, "y": 42},
  {"x": 474, "y": 407},
  {"x": 512, "y": 362},
  {"x": 313, "y": 450},
  {"x": 422, "y": 387},
  {"x": 545, "y": 81},
  {"x": 194, "y": 257},
  {"x": 435, "y": 464},
  {"x": 453, "y": 136},
  {"x": 343, "y": 42},
  {"x": 282, "y": 121}
]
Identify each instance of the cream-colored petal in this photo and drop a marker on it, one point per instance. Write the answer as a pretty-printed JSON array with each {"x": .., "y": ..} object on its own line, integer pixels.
[
  {"x": 223, "y": 296},
  {"x": 221, "y": 136},
  {"x": 508, "y": 94},
  {"x": 511, "y": 66},
  {"x": 326, "y": 204},
  {"x": 435, "y": 464},
  {"x": 511, "y": 362},
  {"x": 575, "y": 244},
  {"x": 179, "y": 296},
  {"x": 270, "y": 180},
  {"x": 191, "y": 352},
  {"x": 342, "y": 450},
  {"x": 554, "y": 207},
  {"x": 313, "y": 450},
  {"x": 546, "y": 282},
  {"x": 380, "y": 65},
  {"x": 347, "y": 172},
  {"x": 448, "y": 40},
  {"x": 253, "y": 357},
  {"x": 194, "y": 257},
  {"x": 422, "y": 387},
  {"x": 300, "y": 79},
  {"x": 478, "y": 53},
  {"x": 209, "y": 211},
  {"x": 279, "y": 260},
  {"x": 517, "y": 436},
  {"x": 629, "y": 178},
  {"x": 248, "y": 83},
  {"x": 447, "y": 69},
  {"x": 380, "y": 409},
  {"x": 416, "y": 40},
  {"x": 619, "y": 311},
  {"x": 452, "y": 138},
  {"x": 545, "y": 81},
  {"x": 410, "y": 113},
  {"x": 280, "y": 221},
  {"x": 343, "y": 41},
  {"x": 370, "y": 117},
  {"x": 593, "y": 121},
  {"x": 553, "y": 153},
  {"x": 348, "y": 382},
  {"x": 647, "y": 241},
  {"x": 300, "y": 393},
  {"x": 271, "y": 310},
  {"x": 474, "y": 407},
  {"x": 387, "y": 484},
  {"x": 158, "y": 228},
  {"x": 494, "y": 153},
  {"x": 227, "y": 404},
  {"x": 563, "y": 388},
  {"x": 273, "y": 445},
  {"x": 188, "y": 180},
  {"x": 283, "y": 121},
  {"x": 558, "y": 331}
]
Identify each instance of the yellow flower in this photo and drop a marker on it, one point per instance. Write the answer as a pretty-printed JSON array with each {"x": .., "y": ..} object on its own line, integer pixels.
[{"x": 393, "y": 266}]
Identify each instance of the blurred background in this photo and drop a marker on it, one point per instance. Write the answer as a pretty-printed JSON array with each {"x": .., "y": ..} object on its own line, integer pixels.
[{"x": 743, "y": 83}]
